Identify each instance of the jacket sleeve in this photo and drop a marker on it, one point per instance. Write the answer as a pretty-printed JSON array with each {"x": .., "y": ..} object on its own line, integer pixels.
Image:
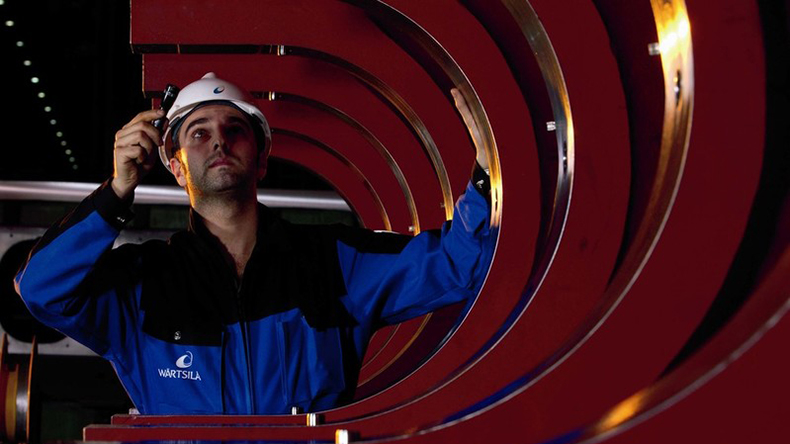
[
  {"x": 74, "y": 282},
  {"x": 434, "y": 269}
]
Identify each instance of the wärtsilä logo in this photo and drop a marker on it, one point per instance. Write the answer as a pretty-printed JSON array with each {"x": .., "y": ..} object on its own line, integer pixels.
[
  {"x": 219, "y": 89},
  {"x": 182, "y": 363},
  {"x": 185, "y": 361}
]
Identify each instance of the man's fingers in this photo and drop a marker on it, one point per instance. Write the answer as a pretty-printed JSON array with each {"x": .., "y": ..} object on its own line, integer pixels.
[
  {"x": 146, "y": 116},
  {"x": 466, "y": 113},
  {"x": 471, "y": 125},
  {"x": 135, "y": 134},
  {"x": 135, "y": 138},
  {"x": 133, "y": 153},
  {"x": 463, "y": 108},
  {"x": 460, "y": 102},
  {"x": 135, "y": 146},
  {"x": 139, "y": 127},
  {"x": 455, "y": 93}
]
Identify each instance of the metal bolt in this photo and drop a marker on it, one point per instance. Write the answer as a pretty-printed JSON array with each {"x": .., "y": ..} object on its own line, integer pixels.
[
  {"x": 342, "y": 436},
  {"x": 551, "y": 125},
  {"x": 177, "y": 336},
  {"x": 654, "y": 49},
  {"x": 313, "y": 419},
  {"x": 678, "y": 85}
]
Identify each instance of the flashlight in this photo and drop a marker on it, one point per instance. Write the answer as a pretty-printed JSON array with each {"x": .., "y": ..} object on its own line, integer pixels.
[{"x": 170, "y": 94}]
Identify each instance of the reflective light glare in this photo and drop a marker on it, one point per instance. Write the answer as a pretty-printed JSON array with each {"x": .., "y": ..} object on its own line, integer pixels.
[
  {"x": 59, "y": 134},
  {"x": 41, "y": 95},
  {"x": 53, "y": 122},
  {"x": 71, "y": 159},
  {"x": 2, "y": 2},
  {"x": 34, "y": 79},
  {"x": 675, "y": 36},
  {"x": 27, "y": 63},
  {"x": 47, "y": 109},
  {"x": 74, "y": 166},
  {"x": 68, "y": 152},
  {"x": 674, "y": 33},
  {"x": 9, "y": 23},
  {"x": 622, "y": 412},
  {"x": 63, "y": 143},
  {"x": 20, "y": 44}
]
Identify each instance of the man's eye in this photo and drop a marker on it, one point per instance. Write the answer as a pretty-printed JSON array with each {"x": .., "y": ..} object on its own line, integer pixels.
[{"x": 197, "y": 134}]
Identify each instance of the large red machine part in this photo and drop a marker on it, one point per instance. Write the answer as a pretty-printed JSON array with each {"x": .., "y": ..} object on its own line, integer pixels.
[{"x": 638, "y": 287}]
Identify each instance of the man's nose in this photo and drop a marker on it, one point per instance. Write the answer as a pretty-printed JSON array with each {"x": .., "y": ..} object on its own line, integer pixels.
[{"x": 219, "y": 142}]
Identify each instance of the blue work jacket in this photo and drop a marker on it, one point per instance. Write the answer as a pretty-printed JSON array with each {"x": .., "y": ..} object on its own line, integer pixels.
[{"x": 186, "y": 337}]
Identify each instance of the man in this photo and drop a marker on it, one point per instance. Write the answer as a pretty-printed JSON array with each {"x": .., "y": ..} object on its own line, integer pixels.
[{"x": 242, "y": 313}]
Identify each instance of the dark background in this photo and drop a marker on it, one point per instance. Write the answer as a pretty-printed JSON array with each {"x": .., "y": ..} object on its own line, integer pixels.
[
  {"x": 79, "y": 51},
  {"x": 92, "y": 83}
]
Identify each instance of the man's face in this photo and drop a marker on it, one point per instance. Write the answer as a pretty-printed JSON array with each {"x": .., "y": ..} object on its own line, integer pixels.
[{"x": 218, "y": 152}]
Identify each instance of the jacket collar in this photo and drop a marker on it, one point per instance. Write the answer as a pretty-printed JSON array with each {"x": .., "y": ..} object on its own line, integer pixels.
[{"x": 271, "y": 233}]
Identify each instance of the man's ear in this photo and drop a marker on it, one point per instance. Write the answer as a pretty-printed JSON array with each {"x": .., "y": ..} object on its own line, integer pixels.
[{"x": 178, "y": 172}]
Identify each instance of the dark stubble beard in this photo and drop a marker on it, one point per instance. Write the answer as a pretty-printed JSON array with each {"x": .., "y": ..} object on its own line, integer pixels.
[{"x": 225, "y": 183}]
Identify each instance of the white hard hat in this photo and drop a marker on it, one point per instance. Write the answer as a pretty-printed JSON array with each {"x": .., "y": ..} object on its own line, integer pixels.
[{"x": 210, "y": 88}]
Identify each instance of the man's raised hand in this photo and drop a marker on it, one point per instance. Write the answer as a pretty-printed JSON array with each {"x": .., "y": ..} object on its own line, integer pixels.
[
  {"x": 471, "y": 125},
  {"x": 135, "y": 153}
]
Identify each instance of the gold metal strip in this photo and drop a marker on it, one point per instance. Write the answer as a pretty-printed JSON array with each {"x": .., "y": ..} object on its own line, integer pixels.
[
  {"x": 344, "y": 160},
  {"x": 407, "y": 114},
  {"x": 677, "y": 60},
  {"x": 546, "y": 57},
  {"x": 397, "y": 21},
  {"x": 373, "y": 141}
]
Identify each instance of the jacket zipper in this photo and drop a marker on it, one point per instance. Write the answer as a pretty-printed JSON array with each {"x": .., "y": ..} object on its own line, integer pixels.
[{"x": 244, "y": 339}]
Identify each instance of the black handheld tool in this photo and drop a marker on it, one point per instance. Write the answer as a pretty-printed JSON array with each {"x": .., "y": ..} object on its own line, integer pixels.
[{"x": 170, "y": 94}]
